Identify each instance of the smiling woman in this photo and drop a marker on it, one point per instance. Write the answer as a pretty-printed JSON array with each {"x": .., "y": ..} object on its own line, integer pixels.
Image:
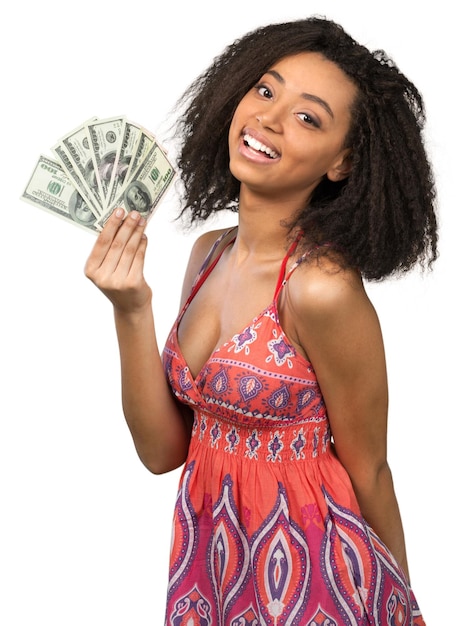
[
  {"x": 299, "y": 115},
  {"x": 382, "y": 217},
  {"x": 272, "y": 388}
]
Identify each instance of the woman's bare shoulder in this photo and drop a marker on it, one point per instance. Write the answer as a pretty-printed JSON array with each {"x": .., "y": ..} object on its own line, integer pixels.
[
  {"x": 328, "y": 306},
  {"x": 322, "y": 287},
  {"x": 203, "y": 243},
  {"x": 199, "y": 252}
]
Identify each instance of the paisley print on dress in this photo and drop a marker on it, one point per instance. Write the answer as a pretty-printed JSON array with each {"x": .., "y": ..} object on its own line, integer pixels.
[{"x": 267, "y": 530}]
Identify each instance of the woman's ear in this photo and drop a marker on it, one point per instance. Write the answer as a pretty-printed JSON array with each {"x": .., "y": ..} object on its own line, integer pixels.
[{"x": 341, "y": 167}]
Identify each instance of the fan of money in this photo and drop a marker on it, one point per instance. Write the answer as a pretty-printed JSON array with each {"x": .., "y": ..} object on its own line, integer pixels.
[{"x": 97, "y": 167}]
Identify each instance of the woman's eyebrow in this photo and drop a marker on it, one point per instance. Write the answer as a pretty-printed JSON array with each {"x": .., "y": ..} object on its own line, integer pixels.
[{"x": 308, "y": 96}]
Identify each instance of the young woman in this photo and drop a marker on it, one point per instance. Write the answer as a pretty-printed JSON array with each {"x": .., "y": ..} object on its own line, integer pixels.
[{"x": 272, "y": 389}]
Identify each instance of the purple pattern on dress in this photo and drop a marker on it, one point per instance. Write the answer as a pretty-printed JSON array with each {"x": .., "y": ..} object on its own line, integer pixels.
[
  {"x": 281, "y": 351},
  {"x": 298, "y": 444},
  {"x": 275, "y": 447},
  {"x": 249, "y": 387},
  {"x": 193, "y": 608},
  {"x": 228, "y": 556},
  {"x": 219, "y": 383},
  {"x": 242, "y": 341},
  {"x": 267, "y": 531},
  {"x": 279, "y": 399},
  {"x": 253, "y": 443}
]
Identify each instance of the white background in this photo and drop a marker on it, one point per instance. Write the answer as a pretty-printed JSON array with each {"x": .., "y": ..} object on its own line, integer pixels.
[{"x": 84, "y": 527}]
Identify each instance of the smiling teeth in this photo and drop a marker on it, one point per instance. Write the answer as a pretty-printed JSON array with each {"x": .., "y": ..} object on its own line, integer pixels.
[{"x": 260, "y": 147}]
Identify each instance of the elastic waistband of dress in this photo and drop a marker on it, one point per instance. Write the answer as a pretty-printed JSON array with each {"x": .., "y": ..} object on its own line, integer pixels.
[{"x": 267, "y": 442}]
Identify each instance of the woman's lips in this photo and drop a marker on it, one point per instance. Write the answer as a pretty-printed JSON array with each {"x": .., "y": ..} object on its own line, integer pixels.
[{"x": 259, "y": 145}]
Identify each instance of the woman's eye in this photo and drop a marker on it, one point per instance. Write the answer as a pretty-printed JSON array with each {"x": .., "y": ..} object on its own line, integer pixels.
[
  {"x": 264, "y": 91},
  {"x": 309, "y": 119}
]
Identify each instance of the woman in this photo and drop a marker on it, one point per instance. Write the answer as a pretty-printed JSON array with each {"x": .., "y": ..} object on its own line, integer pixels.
[{"x": 286, "y": 512}]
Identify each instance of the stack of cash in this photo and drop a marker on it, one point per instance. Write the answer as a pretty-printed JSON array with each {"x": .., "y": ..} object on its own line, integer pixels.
[{"x": 101, "y": 165}]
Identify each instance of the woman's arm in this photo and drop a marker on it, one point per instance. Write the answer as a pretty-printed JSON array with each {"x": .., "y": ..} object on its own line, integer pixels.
[
  {"x": 338, "y": 329},
  {"x": 159, "y": 425}
]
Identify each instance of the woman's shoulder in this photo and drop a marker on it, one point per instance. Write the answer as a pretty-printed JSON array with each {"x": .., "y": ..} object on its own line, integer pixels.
[
  {"x": 328, "y": 312},
  {"x": 204, "y": 242},
  {"x": 321, "y": 290},
  {"x": 204, "y": 248}
]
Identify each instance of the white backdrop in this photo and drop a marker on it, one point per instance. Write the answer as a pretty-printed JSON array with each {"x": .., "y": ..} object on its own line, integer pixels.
[{"x": 85, "y": 529}]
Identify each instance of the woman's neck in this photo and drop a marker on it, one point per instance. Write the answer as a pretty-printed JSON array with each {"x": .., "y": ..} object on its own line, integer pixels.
[{"x": 263, "y": 225}]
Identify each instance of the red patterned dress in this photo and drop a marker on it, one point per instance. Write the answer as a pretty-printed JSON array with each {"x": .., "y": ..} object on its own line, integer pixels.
[{"x": 267, "y": 529}]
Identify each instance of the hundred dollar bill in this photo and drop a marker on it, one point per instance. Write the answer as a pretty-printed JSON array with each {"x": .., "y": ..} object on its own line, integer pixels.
[
  {"x": 75, "y": 149},
  {"x": 146, "y": 141},
  {"x": 75, "y": 178},
  {"x": 105, "y": 136},
  {"x": 131, "y": 140},
  {"x": 50, "y": 189},
  {"x": 146, "y": 187}
]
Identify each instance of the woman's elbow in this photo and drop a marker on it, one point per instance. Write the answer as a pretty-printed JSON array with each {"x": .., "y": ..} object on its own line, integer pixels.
[{"x": 161, "y": 464}]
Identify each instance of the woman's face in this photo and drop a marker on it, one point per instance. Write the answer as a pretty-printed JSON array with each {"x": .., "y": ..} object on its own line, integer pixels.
[{"x": 288, "y": 131}]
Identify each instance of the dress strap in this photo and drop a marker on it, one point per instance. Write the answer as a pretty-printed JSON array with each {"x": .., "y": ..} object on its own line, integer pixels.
[
  {"x": 207, "y": 267},
  {"x": 283, "y": 277}
]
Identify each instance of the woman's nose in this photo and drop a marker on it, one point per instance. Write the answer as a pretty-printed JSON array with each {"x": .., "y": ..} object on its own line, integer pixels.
[{"x": 271, "y": 119}]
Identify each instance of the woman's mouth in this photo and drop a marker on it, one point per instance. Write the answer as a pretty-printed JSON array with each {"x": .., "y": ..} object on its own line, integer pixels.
[{"x": 260, "y": 147}]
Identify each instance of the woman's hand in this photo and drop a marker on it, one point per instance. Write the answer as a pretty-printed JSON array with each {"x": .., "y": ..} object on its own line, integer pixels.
[
  {"x": 116, "y": 262},
  {"x": 159, "y": 426}
]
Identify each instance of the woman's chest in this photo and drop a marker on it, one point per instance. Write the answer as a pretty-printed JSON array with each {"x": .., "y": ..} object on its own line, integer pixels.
[{"x": 223, "y": 307}]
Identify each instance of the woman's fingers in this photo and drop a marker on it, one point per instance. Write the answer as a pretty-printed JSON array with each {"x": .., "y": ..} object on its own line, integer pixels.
[
  {"x": 116, "y": 245},
  {"x": 104, "y": 240},
  {"x": 122, "y": 250},
  {"x": 135, "y": 271},
  {"x": 116, "y": 263}
]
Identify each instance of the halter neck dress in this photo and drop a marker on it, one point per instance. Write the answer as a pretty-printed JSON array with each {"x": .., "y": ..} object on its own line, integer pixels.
[{"x": 267, "y": 529}]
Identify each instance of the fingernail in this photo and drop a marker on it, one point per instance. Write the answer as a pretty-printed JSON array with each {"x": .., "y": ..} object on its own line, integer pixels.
[
  {"x": 119, "y": 213},
  {"x": 134, "y": 215},
  {"x": 142, "y": 221}
]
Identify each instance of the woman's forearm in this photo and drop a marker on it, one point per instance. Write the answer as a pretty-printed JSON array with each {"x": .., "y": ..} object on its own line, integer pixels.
[
  {"x": 379, "y": 507},
  {"x": 159, "y": 427}
]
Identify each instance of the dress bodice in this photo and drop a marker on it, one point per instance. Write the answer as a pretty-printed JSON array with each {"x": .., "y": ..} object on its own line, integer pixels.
[{"x": 256, "y": 379}]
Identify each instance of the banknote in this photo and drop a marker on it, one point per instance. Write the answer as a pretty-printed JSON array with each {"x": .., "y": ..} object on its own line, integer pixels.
[
  {"x": 146, "y": 141},
  {"x": 75, "y": 152},
  {"x": 86, "y": 191},
  {"x": 105, "y": 143},
  {"x": 123, "y": 167},
  {"x": 146, "y": 187},
  {"x": 98, "y": 166},
  {"x": 50, "y": 188}
]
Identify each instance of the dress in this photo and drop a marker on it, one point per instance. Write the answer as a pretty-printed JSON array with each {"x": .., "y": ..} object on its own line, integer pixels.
[{"x": 267, "y": 529}]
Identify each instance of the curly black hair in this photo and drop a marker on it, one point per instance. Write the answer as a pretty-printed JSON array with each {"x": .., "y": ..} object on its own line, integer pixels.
[{"x": 382, "y": 217}]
